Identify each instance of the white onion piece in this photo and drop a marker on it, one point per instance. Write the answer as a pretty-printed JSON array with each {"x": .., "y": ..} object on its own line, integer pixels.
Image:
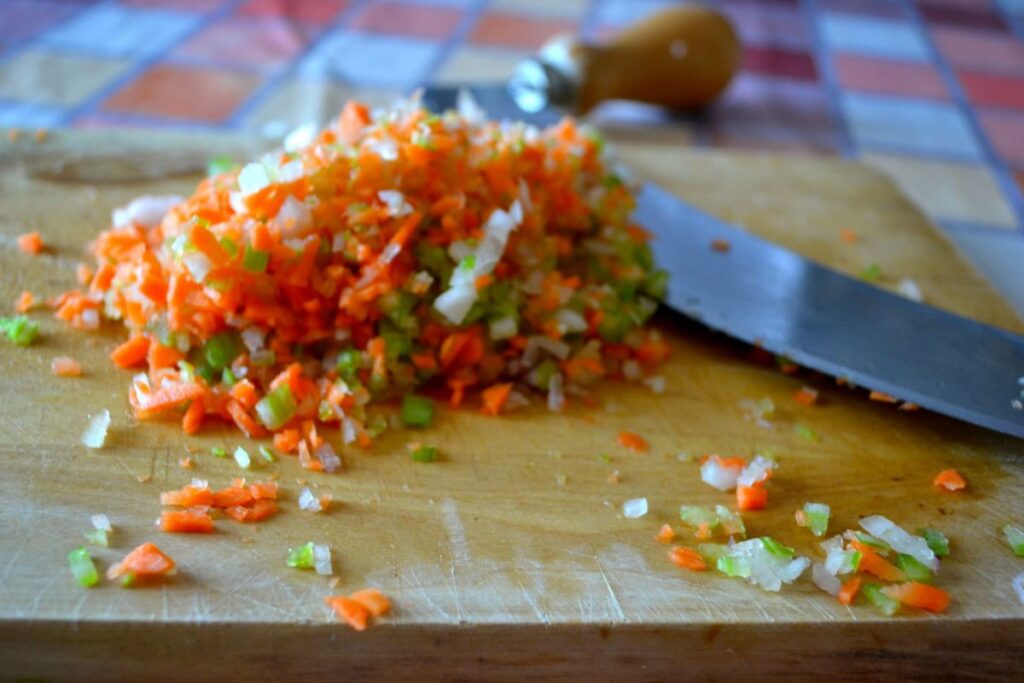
[
  {"x": 900, "y": 540},
  {"x": 330, "y": 460},
  {"x": 146, "y": 211},
  {"x": 634, "y": 508},
  {"x": 656, "y": 384},
  {"x": 101, "y": 522},
  {"x": 503, "y": 328},
  {"x": 395, "y": 201},
  {"x": 468, "y": 108},
  {"x": 293, "y": 218},
  {"x": 199, "y": 266},
  {"x": 95, "y": 434},
  {"x": 322, "y": 559},
  {"x": 199, "y": 483},
  {"x": 716, "y": 476},
  {"x": 1018, "y": 587},
  {"x": 910, "y": 289},
  {"x": 756, "y": 470},
  {"x": 631, "y": 370},
  {"x": 254, "y": 338},
  {"x": 571, "y": 321},
  {"x": 455, "y": 302},
  {"x": 253, "y": 178},
  {"x": 308, "y": 501},
  {"x": 556, "y": 395},
  {"x": 824, "y": 579},
  {"x": 300, "y": 137}
]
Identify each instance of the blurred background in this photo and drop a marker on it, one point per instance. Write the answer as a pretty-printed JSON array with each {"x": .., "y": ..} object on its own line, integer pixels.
[{"x": 929, "y": 91}]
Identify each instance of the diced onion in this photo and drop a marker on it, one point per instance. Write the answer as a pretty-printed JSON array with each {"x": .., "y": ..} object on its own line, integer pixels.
[
  {"x": 910, "y": 289},
  {"x": 308, "y": 501},
  {"x": 756, "y": 471},
  {"x": 253, "y": 178},
  {"x": 656, "y": 383},
  {"x": 96, "y": 433},
  {"x": 199, "y": 266},
  {"x": 328, "y": 458},
  {"x": 146, "y": 212},
  {"x": 556, "y": 395},
  {"x": 101, "y": 522},
  {"x": 322, "y": 559},
  {"x": 503, "y": 328},
  {"x": 634, "y": 508},
  {"x": 716, "y": 476},
  {"x": 396, "y": 203},
  {"x": 293, "y": 218},
  {"x": 824, "y": 580},
  {"x": 300, "y": 137},
  {"x": 900, "y": 540},
  {"x": 1018, "y": 587}
]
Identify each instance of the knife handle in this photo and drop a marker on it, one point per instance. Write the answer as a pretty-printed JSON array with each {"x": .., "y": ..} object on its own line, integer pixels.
[{"x": 681, "y": 57}]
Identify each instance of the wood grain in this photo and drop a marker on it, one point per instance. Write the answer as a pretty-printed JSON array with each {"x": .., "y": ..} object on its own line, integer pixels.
[{"x": 509, "y": 558}]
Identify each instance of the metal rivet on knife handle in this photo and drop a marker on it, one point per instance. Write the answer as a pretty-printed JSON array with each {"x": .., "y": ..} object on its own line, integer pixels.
[{"x": 682, "y": 57}]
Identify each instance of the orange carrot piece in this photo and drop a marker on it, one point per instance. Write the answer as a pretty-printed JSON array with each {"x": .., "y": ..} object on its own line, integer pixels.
[
  {"x": 233, "y": 496},
  {"x": 375, "y": 602},
  {"x": 950, "y": 480},
  {"x": 167, "y": 397},
  {"x": 882, "y": 397},
  {"x": 873, "y": 563},
  {"x": 806, "y": 396},
  {"x": 193, "y": 418},
  {"x": 849, "y": 236},
  {"x": 31, "y": 243},
  {"x": 65, "y": 366},
  {"x": 186, "y": 522},
  {"x": 633, "y": 442},
  {"x": 687, "y": 558},
  {"x": 132, "y": 352},
  {"x": 146, "y": 561},
  {"x": 256, "y": 511},
  {"x": 666, "y": 535},
  {"x": 495, "y": 397},
  {"x": 286, "y": 440},
  {"x": 244, "y": 421},
  {"x": 354, "y": 613},
  {"x": 921, "y": 595},
  {"x": 751, "y": 497},
  {"x": 264, "y": 490},
  {"x": 160, "y": 356},
  {"x": 848, "y": 591},
  {"x": 187, "y": 496},
  {"x": 26, "y": 300}
]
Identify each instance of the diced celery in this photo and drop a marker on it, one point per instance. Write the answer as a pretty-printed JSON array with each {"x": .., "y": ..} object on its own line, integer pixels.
[
  {"x": 913, "y": 568},
  {"x": 776, "y": 548},
  {"x": 267, "y": 454},
  {"x": 732, "y": 565},
  {"x": 1015, "y": 537},
  {"x": 228, "y": 378},
  {"x": 817, "y": 515},
  {"x": 255, "y": 261},
  {"x": 873, "y": 592},
  {"x": 937, "y": 541},
  {"x": 301, "y": 557},
  {"x": 82, "y": 568},
  {"x": 417, "y": 411},
  {"x": 868, "y": 539},
  {"x": 425, "y": 454},
  {"x": 97, "y": 537},
  {"x": 220, "y": 349},
  {"x": 696, "y": 516},
  {"x": 229, "y": 245},
  {"x": 348, "y": 362},
  {"x": 711, "y": 552},
  {"x": 219, "y": 164},
  {"x": 20, "y": 330},
  {"x": 218, "y": 452},
  {"x": 277, "y": 407},
  {"x": 732, "y": 522}
]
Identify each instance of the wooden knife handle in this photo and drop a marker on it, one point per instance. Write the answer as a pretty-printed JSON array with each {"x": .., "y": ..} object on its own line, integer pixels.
[{"x": 681, "y": 57}]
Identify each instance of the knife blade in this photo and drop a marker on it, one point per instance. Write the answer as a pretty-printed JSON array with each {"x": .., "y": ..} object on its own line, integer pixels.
[{"x": 767, "y": 295}]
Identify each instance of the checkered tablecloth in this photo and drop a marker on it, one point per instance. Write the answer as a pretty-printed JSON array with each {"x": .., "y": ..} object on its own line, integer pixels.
[{"x": 930, "y": 91}]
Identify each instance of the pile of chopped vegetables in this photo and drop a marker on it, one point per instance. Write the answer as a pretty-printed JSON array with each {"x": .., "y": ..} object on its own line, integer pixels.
[{"x": 393, "y": 249}]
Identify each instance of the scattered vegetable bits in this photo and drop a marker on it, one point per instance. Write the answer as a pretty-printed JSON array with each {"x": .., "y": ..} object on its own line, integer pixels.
[
  {"x": 950, "y": 480},
  {"x": 393, "y": 249},
  {"x": 357, "y": 608},
  {"x": 145, "y": 563}
]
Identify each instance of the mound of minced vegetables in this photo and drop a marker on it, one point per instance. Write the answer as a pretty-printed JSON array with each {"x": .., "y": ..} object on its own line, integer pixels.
[{"x": 391, "y": 251}]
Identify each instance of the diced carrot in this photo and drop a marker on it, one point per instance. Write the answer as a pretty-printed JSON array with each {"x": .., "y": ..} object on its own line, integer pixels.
[
  {"x": 233, "y": 496},
  {"x": 495, "y": 396},
  {"x": 64, "y": 366},
  {"x": 921, "y": 595},
  {"x": 848, "y": 591},
  {"x": 375, "y": 602},
  {"x": 164, "y": 398},
  {"x": 633, "y": 442},
  {"x": 160, "y": 356},
  {"x": 187, "y": 496},
  {"x": 193, "y": 418},
  {"x": 25, "y": 302},
  {"x": 687, "y": 558},
  {"x": 806, "y": 396},
  {"x": 132, "y": 352},
  {"x": 751, "y": 497},
  {"x": 354, "y": 613},
  {"x": 849, "y": 236},
  {"x": 666, "y": 535},
  {"x": 144, "y": 562},
  {"x": 186, "y": 522},
  {"x": 950, "y": 480},
  {"x": 256, "y": 511},
  {"x": 31, "y": 243},
  {"x": 264, "y": 490},
  {"x": 873, "y": 563},
  {"x": 286, "y": 440},
  {"x": 882, "y": 397}
]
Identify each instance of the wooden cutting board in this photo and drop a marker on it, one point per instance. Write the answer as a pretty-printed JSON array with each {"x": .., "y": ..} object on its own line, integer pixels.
[{"x": 510, "y": 558}]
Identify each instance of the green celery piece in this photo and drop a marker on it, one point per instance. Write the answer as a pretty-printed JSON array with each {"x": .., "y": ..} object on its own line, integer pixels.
[
  {"x": 20, "y": 330},
  {"x": 219, "y": 452},
  {"x": 220, "y": 164},
  {"x": 349, "y": 361},
  {"x": 267, "y": 454},
  {"x": 913, "y": 568},
  {"x": 805, "y": 432},
  {"x": 711, "y": 552},
  {"x": 885, "y": 604},
  {"x": 937, "y": 541},
  {"x": 694, "y": 516},
  {"x": 255, "y": 261},
  {"x": 776, "y": 548},
  {"x": 817, "y": 516},
  {"x": 731, "y": 565},
  {"x": 277, "y": 407},
  {"x": 221, "y": 349},
  {"x": 83, "y": 568},
  {"x": 97, "y": 537},
  {"x": 732, "y": 522},
  {"x": 301, "y": 557},
  {"x": 417, "y": 411},
  {"x": 425, "y": 454},
  {"x": 1015, "y": 537},
  {"x": 872, "y": 273},
  {"x": 868, "y": 539}
]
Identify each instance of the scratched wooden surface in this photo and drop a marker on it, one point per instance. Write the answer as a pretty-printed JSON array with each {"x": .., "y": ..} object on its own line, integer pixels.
[{"x": 509, "y": 558}]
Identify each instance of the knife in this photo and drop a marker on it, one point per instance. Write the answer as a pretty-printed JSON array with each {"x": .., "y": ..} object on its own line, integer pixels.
[{"x": 757, "y": 291}]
